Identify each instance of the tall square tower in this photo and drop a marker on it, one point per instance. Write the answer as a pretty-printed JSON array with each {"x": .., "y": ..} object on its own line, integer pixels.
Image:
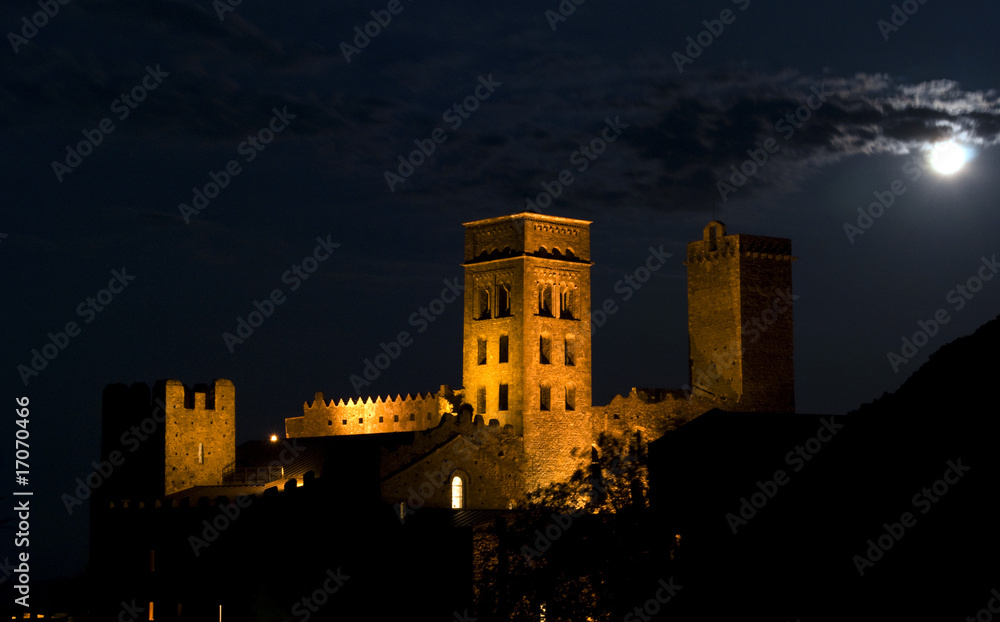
[
  {"x": 526, "y": 349},
  {"x": 740, "y": 320}
]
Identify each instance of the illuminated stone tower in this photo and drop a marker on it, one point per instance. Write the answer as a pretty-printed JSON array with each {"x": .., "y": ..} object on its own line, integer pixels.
[
  {"x": 740, "y": 320},
  {"x": 526, "y": 348}
]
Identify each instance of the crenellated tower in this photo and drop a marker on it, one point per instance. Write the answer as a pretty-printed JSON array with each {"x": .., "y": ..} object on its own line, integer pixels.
[
  {"x": 740, "y": 320},
  {"x": 526, "y": 349},
  {"x": 167, "y": 439}
]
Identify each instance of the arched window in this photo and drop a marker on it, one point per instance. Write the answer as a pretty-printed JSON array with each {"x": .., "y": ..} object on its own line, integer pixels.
[
  {"x": 457, "y": 492},
  {"x": 503, "y": 300},
  {"x": 485, "y": 305}
]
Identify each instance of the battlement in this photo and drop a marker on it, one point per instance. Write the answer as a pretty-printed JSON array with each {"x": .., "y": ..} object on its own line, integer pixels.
[
  {"x": 716, "y": 244},
  {"x": 365, "y": 415},
  {"x": 199, "y": 397}
]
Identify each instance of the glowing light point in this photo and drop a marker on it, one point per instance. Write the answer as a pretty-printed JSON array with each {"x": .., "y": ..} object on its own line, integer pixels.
[
  {"x": 947, "y": 158},
  {"x": 274, "y": 438}
]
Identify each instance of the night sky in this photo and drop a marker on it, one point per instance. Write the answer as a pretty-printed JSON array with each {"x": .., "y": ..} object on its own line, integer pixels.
[{"x": 304, "y": 120}]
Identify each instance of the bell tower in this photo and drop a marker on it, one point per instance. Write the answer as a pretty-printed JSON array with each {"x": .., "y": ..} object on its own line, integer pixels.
[{"x": 526, "y": 349}]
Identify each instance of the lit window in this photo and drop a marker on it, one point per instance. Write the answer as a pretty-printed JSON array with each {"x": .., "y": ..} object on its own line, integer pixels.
[
  {"x": 201, "y": 453},
  {"x": 150, "y": 610},
  {"x": 457, "y": 499}
]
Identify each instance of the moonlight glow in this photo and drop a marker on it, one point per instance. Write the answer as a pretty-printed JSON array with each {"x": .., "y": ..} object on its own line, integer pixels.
[{"x": 948, "y": 157}]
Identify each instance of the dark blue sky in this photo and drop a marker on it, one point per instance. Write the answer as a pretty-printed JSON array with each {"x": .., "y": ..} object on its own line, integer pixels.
[{"x": 211, "y": 83}]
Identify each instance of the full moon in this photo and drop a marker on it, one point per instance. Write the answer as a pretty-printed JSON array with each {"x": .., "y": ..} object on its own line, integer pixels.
[{"x": 948, "y": 157}]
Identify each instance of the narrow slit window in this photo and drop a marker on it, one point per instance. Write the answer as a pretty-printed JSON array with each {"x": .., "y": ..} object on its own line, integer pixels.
[
  {"x": 503, "y": 397},
  {"x": 544, "y": 398},
  {"x": 570, "y": 398},
  {"x": 544, "y": 350},
  {"x": 570, "y": 350},
  {"x": 201, "y": 453},
  {"x": 481, "y": 352},
  {"x": 481, "y": 401},
  {"x": 504, "y": 346}
]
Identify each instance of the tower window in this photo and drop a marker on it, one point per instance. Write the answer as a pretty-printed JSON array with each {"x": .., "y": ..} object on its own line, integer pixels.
[
  {"x": 504, "y": 344},
  {"x": 201, "y": 453},
  {"x": 395, "y": 418},
  {"x": 484, "y": 303},
  {"x": 544, "y": 402},
  {"x": 570, "y": 351},
  {"x": 503, "y": 397},
  {"x": 503, "y": 300},
  {"x": 570, "y": 398},
  {"x": 413, "y": 417},
  {"x": 481, "y": 401},
  {"x": 457, "y": 493},
  {"x": 544, "y": 350},
  {"x": 481, "y": 356},
  {"x": 545, "y": 300},
  {"x": 567, "y": 304}
]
